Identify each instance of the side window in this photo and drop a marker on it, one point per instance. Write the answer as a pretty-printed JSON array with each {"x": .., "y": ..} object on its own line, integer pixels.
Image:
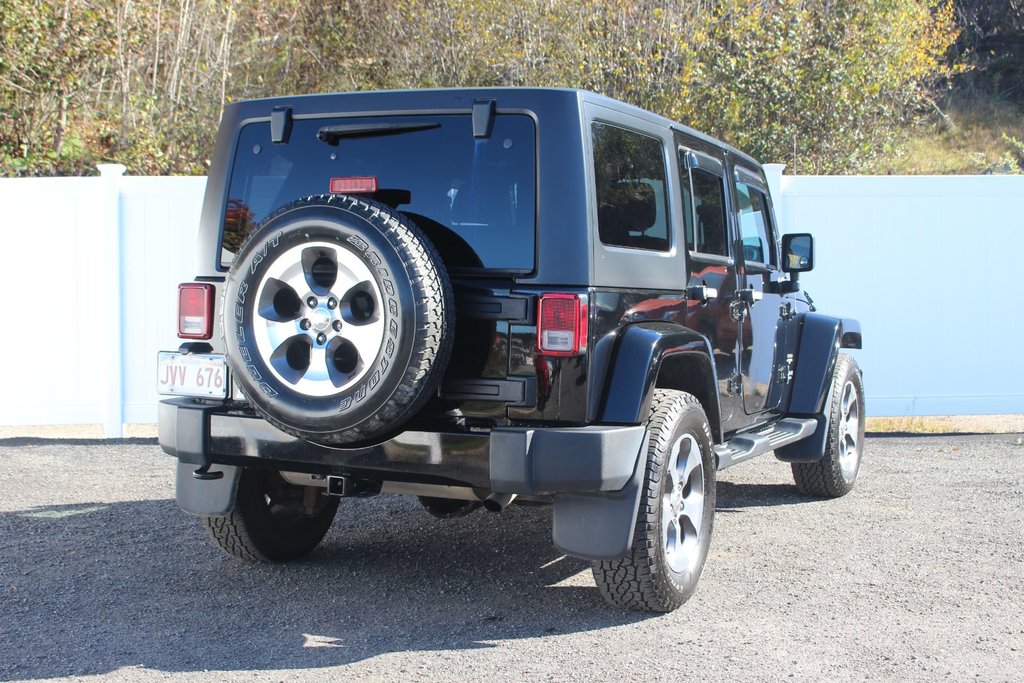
[
  {"x": 704, "y": 208},
  {"x": 629, "y": 174},
  {"x": 755, "y": 225}
]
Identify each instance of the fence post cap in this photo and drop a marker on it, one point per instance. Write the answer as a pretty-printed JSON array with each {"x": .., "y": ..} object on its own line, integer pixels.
[{"x": 112, "y": 170}]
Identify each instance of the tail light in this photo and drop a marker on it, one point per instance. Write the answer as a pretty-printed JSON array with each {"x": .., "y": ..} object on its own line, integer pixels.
[
  {"x": 561, "y": 325},
  {"x": 195, "y": 310}
]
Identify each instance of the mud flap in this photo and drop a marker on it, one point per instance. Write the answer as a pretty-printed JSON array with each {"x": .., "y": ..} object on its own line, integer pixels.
[
  {"x": 212, "y": 497},
  {"x": 600, "y": 526}
]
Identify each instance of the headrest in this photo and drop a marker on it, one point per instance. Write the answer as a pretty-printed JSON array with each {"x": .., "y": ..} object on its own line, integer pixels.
[{"x": 633, "y": 208}]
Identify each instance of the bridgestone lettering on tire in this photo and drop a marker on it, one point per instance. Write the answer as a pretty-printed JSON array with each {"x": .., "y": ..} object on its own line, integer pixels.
[
  {"x": 677, "y": 506},
  {"x": 338, "y": 319}
]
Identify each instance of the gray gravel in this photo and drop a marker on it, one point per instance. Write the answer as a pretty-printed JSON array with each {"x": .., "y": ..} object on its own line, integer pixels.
[{"x": 916, "y": 575}]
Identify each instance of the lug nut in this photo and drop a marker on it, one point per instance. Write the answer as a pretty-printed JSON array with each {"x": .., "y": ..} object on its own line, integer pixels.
[
  {"x": 337, "y": 326},
  {"x": 305, "y": 324},
  {"x": 321, "y": 338},
  {"x": 312, "y": 302},
  {"x": 332, "y": 303}
]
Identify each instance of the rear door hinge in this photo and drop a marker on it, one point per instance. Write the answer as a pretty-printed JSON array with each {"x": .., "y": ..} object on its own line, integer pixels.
[
  {"x": 737, "y": 310},
  {"x": 734, "y": 385}
]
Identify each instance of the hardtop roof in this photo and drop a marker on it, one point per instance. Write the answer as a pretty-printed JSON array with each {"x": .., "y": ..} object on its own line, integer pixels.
[{"x": 433, "y": 95}]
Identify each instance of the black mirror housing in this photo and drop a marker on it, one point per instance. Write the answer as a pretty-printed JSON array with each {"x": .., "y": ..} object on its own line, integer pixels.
[{"x": 797, "y": 252}]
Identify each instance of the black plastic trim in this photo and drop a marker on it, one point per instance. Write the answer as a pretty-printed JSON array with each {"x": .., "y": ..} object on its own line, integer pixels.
[
  {"x": 280, "y": 125},
  {"x": 515, "y": 391},
  {"x": 516, "y": 309}
]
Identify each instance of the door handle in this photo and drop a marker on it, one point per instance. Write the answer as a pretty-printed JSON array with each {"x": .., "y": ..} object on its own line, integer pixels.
[
  {"x": 701, "y": 293},
  {"x": 749, "y": 295}
]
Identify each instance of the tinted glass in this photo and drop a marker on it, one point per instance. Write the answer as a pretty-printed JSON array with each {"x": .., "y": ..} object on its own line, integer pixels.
[
  {"x": 629, "y": 173},
  {"x": 707, "y": 234},
  {"x": 755, "y": 224},
  {"x": 475, "y": 198}
]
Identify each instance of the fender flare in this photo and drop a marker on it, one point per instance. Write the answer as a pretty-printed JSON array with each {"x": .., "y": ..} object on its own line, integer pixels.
[
  {"x": 821, "y": 339},
  {"x": 638, "y": 356}
]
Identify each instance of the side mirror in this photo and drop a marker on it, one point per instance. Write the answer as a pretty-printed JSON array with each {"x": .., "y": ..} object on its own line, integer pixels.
[{"x": 797, "y": 252}]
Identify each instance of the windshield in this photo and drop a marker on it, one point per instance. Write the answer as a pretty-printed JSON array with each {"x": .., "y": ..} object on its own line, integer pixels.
[{"x": 473, "y": 197}]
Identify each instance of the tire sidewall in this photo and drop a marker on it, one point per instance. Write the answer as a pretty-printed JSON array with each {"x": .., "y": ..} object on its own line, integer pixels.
[{"x": 339, "y": 223}]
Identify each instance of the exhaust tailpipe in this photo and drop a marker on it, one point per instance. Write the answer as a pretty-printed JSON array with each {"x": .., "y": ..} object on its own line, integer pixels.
[{"x": 496, "y": 502}]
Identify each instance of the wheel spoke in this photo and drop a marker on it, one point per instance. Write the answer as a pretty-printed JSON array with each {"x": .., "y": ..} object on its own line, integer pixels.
[
  {"x": 279, "y": 332},
  {"x": 693, "y": 508},
  {"x": 848, "y": 397},
  {"x": 366, "y": 339},
  {"x": 319, "y": 368},
  {"x": 853, "y": 418},
  {"x": 320, "y": 269},
  {"x": 692, "y": 464},
  {"x": 667, "y": 514}
]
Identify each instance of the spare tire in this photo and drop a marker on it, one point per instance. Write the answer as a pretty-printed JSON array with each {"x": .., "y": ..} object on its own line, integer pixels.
[{"x": 338, "y": 319}]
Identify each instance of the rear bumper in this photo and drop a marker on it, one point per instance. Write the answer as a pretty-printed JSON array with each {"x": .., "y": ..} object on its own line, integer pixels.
[
  {"x": 593, "y": 475},
  {"x": 593, "y": 459}
]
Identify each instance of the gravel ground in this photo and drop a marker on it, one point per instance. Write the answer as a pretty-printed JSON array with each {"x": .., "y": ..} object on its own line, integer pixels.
[{"x": 916, "y": 575}]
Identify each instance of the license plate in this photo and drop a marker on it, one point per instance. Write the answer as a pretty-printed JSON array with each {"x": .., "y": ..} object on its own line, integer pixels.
[{"x": 194, "y": 374}]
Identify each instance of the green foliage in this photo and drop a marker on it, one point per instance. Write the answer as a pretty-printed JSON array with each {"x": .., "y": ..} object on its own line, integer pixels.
[
  {"x": 823, "y": 85},
  {"x": 820, "y": 84}
]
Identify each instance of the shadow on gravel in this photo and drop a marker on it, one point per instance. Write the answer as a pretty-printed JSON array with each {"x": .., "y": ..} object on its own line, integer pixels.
[
  {"x": 734, "y": 497},
  {"x": 25, "y": 441},
  {"x": 90, "y": 589}
]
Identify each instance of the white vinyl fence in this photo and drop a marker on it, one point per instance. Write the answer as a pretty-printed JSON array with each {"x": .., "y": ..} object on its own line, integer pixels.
[
  {"x": 928, "y": 264},
  {"x": 90, "y": 268}
]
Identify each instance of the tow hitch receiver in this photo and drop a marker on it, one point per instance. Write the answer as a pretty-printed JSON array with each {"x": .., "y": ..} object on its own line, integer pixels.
[{"x": 352, "y": 487}]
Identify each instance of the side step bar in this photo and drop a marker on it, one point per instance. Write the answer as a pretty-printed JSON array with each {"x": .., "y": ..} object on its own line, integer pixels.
[{"x": 747, "y": 446}]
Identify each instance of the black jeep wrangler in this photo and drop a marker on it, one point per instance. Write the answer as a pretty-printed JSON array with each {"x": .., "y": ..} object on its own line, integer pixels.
[{"x": 486, "y": 296}]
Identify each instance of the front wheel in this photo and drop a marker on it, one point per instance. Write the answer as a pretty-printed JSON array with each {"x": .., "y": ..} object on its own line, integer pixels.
[
  {"x": 677, "y": 507},
  {"x": 272, "y": 520},
  {"x": 835, "y": 474}
]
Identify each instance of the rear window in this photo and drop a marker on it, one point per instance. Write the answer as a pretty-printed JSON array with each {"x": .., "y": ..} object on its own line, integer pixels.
[
  {"x": 475, "y": 198},
  {"x": 629, "y": 178}
]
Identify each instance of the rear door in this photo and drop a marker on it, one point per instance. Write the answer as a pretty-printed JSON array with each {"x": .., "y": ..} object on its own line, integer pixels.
[{"x": 710, "y": 263}]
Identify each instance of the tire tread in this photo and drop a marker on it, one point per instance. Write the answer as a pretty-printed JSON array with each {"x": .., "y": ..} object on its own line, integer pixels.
[{"x": 638, "y": 581}]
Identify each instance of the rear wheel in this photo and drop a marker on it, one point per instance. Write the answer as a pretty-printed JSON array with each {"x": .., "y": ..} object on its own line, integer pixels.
[
  {"x": 272, "y": 520},
  {"x": 835, "y": 474},
  {"x": 677, "y": 506}
]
